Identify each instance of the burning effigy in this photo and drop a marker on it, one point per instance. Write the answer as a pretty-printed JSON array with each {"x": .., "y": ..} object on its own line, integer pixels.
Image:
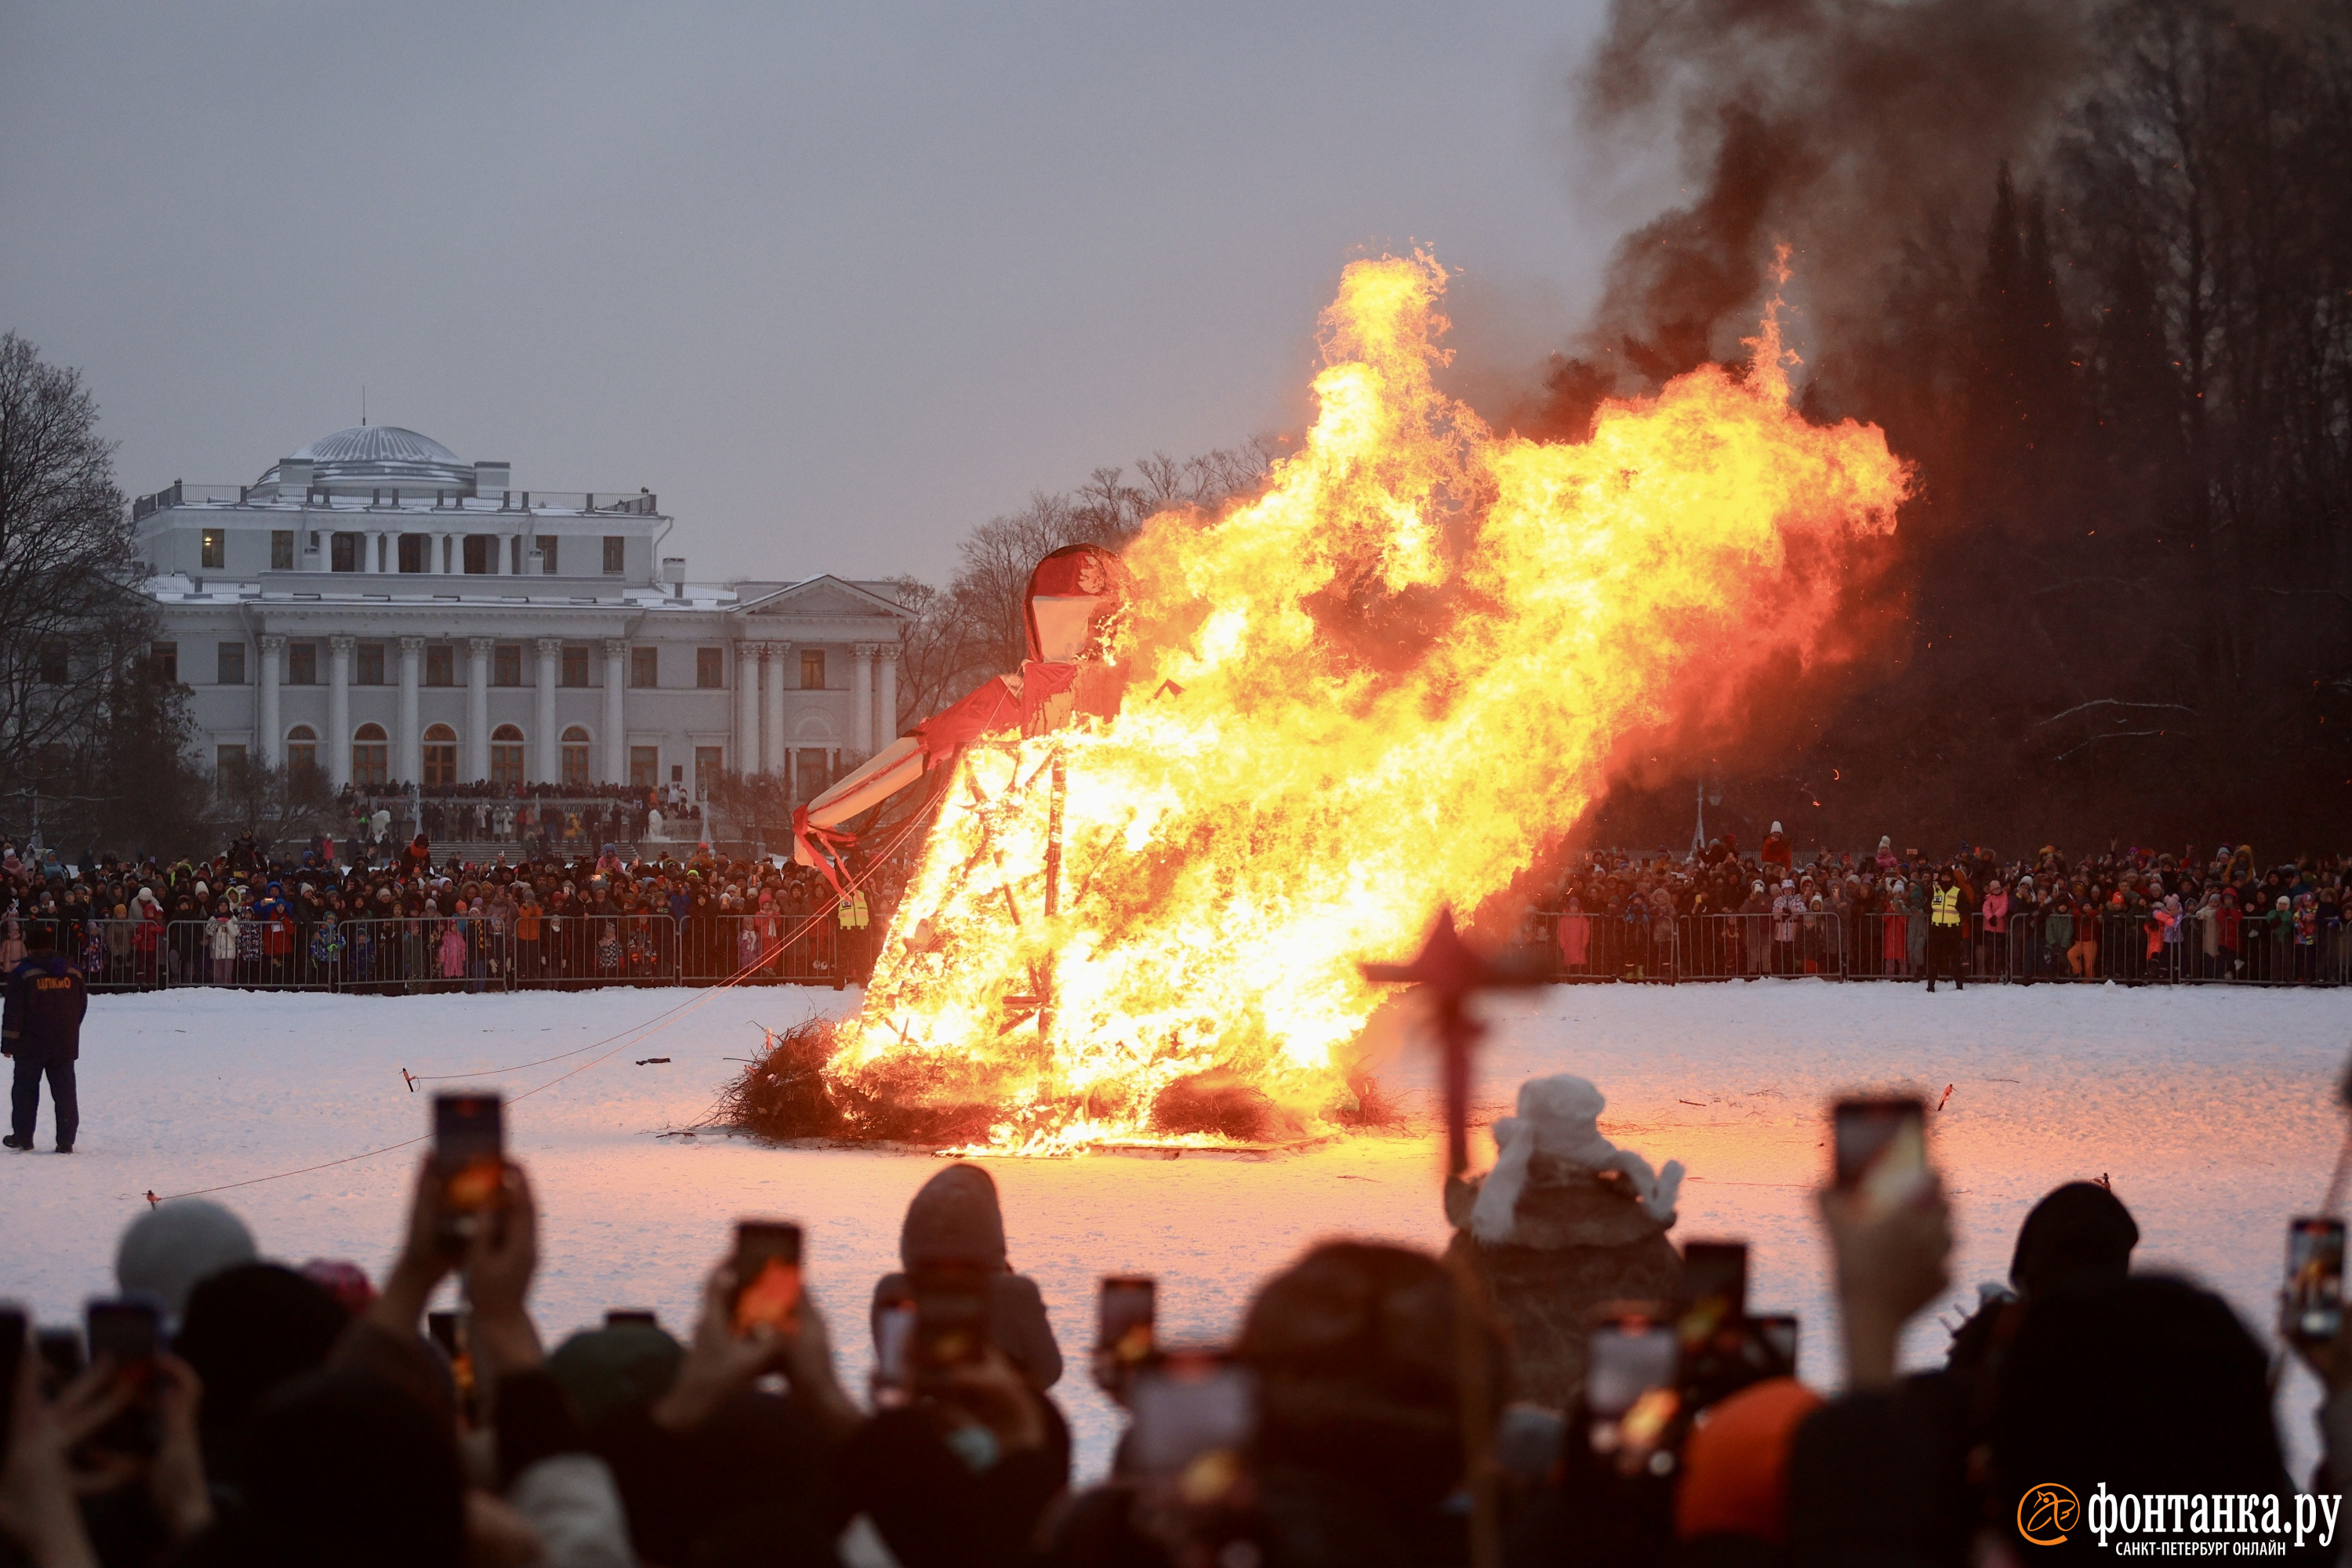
[{"x": 1252, "y": 750}]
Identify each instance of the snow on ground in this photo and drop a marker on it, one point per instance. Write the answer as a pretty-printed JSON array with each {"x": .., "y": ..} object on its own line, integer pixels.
[{"x": 2210, "y": 1111}]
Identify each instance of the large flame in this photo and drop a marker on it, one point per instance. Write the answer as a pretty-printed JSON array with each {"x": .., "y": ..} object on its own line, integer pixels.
[{"x": 1386, "y": 684}]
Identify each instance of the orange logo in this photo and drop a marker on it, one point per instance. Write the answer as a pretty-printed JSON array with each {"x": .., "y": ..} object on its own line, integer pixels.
[{"x": 2046, "y": 1512}]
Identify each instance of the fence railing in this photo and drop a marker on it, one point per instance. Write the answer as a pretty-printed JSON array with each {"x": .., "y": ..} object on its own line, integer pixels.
[
  {"x": 804, "y": 947},
  {"x": 404, "y": 955},
  {"x": 2018, "y": 950}
]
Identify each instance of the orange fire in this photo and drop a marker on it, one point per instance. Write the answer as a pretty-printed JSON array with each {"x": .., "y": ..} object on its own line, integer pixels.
[{"x": 1388, "y": 683}]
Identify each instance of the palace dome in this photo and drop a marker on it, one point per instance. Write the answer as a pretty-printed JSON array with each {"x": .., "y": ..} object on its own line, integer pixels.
[{"x": 366, "y": 456}]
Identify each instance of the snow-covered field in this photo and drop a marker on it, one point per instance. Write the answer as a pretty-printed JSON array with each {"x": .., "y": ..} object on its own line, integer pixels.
[{"x": 2210, "y": 1111}]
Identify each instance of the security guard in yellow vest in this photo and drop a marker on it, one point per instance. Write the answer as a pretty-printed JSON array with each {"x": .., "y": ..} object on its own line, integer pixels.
[
  {"x": 1943, "y": 921},
  {"x": 851, "y": 961}
]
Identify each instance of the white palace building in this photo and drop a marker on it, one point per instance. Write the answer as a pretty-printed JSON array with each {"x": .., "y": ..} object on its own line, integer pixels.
[{"x": 375, "y": 606}]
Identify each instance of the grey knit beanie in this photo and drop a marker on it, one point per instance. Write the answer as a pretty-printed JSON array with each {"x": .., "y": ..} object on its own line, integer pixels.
[{"x": 168, "y": 1250}]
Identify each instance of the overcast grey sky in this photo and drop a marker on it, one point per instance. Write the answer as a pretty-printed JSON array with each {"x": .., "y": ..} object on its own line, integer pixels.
[{"x": 837, "y": 282}]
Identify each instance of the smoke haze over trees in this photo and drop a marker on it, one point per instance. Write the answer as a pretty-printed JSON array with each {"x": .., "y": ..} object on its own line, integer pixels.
[{"x": 2090, "y": 266}]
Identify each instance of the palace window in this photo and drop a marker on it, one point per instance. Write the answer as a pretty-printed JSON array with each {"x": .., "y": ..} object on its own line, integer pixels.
[
  {"x": 645, "y": 766},
  {"x": 709, "y": 668},
  {"x": 506, "y": 755},
  {"x": 214, "y": 553},
  {"x": 575, "y": 755},
  {"x": 615, "y": 553},
  {"x": 416, "y": 553},
  {"x": 645, "y": 665},
  {"x": 371, "y": 756},
  {"x": 56, "y": 662},
  {"x": 505, "y": 664},
  {"x": 479, "y": 560},
  {"x": 812, "y": 669},
  {"x": 281, "y": 550},
  {"x": 708, "y": 761},
  {"x": 808, "y": 772},
  {"x": 440, "y": 755},
  {"x": 547, "y": 553},
  {"x": 166, "y": 656},
  {"x": 440, "y": 664},
  {"x": 302, "y": 750},
  {"x": 348, "y": 553},
  {"x": 229, "y": 663},
  {"x": 575, "y": 664},
  {"x": 370, "y": 665},
  {"x": 301, "y": 664},
  {"x": 228, "y": 763}
]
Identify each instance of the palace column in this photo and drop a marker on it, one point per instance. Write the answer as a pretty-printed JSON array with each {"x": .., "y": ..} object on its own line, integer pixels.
[
  {"x": 272, "y": 731},
  {"x": 617, "y": 736},
  {"x": 886, "y": 715},
  {"x": 746, "y": 759},
  {"x": 339, "y": 711},
  {"x": 548, "y": 747},
  {"x": 411, "y": 766},
  {"x": 477, "y": 708},
  {"x": 861, "y": 699},
  {"x": 771, "y": 728}
]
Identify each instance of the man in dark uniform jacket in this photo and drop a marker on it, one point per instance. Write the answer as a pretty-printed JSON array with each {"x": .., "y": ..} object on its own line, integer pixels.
[{"x": 41, "y": 1029}]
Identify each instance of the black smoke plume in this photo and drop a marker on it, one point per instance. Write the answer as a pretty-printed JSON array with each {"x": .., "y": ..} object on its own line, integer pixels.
[{"x": 2090, "y": 266}]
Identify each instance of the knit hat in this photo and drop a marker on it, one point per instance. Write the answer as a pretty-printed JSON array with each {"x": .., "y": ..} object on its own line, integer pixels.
[
  {"x": 610, "y": 1370},
  {"x": 954, "y": 1219},
  {"x": 166, "y": 1251},
  {"x": 1736, "y": 1464}
]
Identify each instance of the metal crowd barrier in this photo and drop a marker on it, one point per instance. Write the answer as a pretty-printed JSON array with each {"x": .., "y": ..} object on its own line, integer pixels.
[
  {"x": 472, "y": 953},
  {"x": 2017, "y": 949},
  {"x": 803, "y": 947}
]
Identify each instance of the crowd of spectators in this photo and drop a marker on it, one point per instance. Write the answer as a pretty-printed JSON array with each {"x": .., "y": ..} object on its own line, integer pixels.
[
  {"x": 2130, "y": 914},
  {"x": 308, "y": 1414},
  {"x": 551, "y": 819},
  {"x": 406, "y": 921}
]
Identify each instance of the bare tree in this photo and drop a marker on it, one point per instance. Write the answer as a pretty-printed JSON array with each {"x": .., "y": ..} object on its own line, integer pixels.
[
  {"x": 275, "y": 804},
  {"x": 79, "y": 699},
  {"x": 756, "y": 809}
]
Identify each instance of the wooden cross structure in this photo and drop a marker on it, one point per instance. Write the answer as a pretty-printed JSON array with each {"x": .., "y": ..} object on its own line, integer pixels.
[{"x": 1449, "y": 971}]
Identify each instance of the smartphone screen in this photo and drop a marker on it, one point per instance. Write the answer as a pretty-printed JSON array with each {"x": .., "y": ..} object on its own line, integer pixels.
[
  {"x": 1188, "y": 1405},
  {"x": 630, "y": 1317},
  {"x": 2315, "y": 1277},
  {"x": 1882, "y": 1149},
  {"x": 894, "y": 1348},
  {"x": 767, "y": 1275},
  {"x": 951, "y": 1318},
  {"x": 1714, "y": 1291},
  {"x": 1628, "y": 1355},
  {"x": 469, "y": 1152},
  {"x": 1123, "y": 1320}
]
